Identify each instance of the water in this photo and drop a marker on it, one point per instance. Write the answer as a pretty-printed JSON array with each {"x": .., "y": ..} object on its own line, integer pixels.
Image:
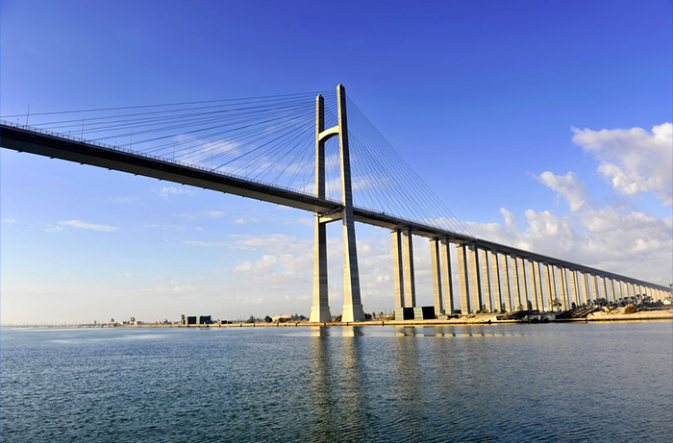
[{"x": 551, "y": 382}]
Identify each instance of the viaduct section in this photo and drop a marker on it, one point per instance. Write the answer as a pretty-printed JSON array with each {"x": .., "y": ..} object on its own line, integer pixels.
[{"x": 491, "y": 276}]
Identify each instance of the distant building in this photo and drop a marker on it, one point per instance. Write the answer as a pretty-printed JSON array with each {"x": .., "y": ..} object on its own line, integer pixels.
[{"x": 198, "y": 320}]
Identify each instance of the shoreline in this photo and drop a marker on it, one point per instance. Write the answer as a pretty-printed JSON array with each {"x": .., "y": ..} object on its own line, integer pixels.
[{"x": 475, "y": 319}]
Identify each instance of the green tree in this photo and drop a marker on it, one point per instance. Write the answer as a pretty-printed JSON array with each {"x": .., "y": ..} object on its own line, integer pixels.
[{"x": 268, "y": 319}]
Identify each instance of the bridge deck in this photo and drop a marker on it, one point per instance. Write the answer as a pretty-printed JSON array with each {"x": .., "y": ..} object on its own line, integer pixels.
[{"x": 64, "y": 148}]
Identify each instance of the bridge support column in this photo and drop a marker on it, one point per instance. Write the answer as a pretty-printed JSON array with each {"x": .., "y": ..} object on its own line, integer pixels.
[
  {"x": 398, "y": 272},
  {"x": 573, "y": 288},
  {"x": 486, "y": 276},
  {"x": 539, "y": 292},
  {"x": 320, "y": 311},
  {"x": 551, "y": 286},
  {"x": 597, "y": 291},
  {"x": 563, "y": 288},
  {"x": 521, "y": 283},
  {"x": 621, "y": 289},
  {"x": 648, "y": 290},
  {"x": 587, "y": 290},
  {"x": 497, "y": 287},
  {"x": 475, "y": 287},
  {"x": 463, "y": 273},
  {"x": 409, "y": 281},
  {"x": 516, "y": 291},
  {"x": 613, "y": 293},
  {"x": 448, "y": 277},
  {"x": 605, "y": 288},
  {"x": 507, "y": 292},
  {"x": 532, "y": 278},
  {"x": 436, "y": 276},
  {"x": 352, "y": 302}
]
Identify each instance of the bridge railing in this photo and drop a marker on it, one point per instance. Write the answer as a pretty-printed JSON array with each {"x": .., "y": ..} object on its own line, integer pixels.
[{"x": 159, "y": 158}]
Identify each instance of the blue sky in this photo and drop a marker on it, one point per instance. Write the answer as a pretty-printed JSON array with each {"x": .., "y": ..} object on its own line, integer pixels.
[{"x": 532, "y": 121}]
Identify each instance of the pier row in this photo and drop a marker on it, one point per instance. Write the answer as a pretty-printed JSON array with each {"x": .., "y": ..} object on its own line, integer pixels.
[{"x": 490, "y": 280}]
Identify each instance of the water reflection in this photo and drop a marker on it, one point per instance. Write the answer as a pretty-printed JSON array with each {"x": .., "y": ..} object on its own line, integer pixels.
[
  {"x": 337, "y": 392},
  {"x": 409, "y": 383}
]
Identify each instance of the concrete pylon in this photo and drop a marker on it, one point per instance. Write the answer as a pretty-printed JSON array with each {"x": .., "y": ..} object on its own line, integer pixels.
[
  {"x": 506, "y": 291},
  {"x": 539, "y": 295},
  {"x": 551, "y": 287},
  {"x": 573, "y": 288},
  {"x": 447, "y": 277},
  {"x": 486, "y": 276},
  {"x": 568, "y": 297},
  {"x": 563, "y": 288},
  {"x": 497, "y": 287},
  {"x": 605, "y": 288},
  {"x": 596, "y": 288},
  {"x": 352, "y": 302},
  {"x": 587, "y": 289},
  {"x": 516, "y": 291},
  {"x": 621, "y": 289},
  {"x": 463, "y": 273},
  {"x": 521, "y": 276},
  {"x": 532, "y": 277},
  {"x": 475, "y": 277},
  {"x": 436, "y": 275},
  {"x": 320, "y": 311},
  {"x": 398, "y": 272},
  {"x": 613, "y": 293},
  {"x": 409, "y": 281}
]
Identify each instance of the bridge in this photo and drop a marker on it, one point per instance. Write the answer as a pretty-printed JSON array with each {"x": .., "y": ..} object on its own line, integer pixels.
[{"x": 292, "y": 136}]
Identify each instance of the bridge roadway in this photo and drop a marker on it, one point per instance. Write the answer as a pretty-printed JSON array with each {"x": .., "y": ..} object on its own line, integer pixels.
[{"x": 59, "y": 146}]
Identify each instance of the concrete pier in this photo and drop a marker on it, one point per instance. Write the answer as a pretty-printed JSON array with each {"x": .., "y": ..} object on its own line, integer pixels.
[
  {"x": 506, "y": 290},
  {"x": 398, "y": 272},
  {"x": 436, "y": 275},
  {"x": 523, "y": 290},
  {"x": 448, "y": 276},
  {"x": 352, "y": 310},
  {"x": 475, "y": 277},
  {"x": 320, "y": 311},
  {"x": 516, "y": 279},
  {"x": 606, "y": 293},
  {"x": 573, "y": 288},
  {"x": 463, "y": 273},
  {"x": 539, "y": 292},
  {"x": 587, "y": 288},
  {"x": 563, "y": 288},
  {"x": 409, "y": 280},
  {"x": 486, "y": 280},
  {"x": 497, "y": 287}
]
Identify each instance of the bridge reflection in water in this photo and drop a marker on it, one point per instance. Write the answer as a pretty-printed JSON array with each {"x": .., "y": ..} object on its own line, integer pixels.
[{"x": 481, "y": 383}]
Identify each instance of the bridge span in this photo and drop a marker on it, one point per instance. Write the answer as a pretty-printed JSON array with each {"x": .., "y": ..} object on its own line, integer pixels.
[{"x": 492, "y": 276}]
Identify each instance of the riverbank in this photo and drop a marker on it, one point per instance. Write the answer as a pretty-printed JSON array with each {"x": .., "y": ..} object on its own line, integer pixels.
[{"x": 616, "y": 315}]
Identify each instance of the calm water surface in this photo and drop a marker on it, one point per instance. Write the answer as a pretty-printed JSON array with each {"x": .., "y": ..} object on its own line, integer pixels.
[{"x": 513, "y": 383}]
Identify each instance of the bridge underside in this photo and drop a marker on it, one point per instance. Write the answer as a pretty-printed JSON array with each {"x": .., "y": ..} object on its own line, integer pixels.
[{"x": 64, "y": 148}]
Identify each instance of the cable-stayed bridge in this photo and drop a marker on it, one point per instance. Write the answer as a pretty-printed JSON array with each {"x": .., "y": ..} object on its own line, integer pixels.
[{"x": 309, "y": 153}]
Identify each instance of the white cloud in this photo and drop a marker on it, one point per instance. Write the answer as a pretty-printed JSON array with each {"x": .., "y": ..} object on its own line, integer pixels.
[
  {"x": 179, "y": 228},
  {"x": 7, "y": 220},
  {"x": 52, "y": 228},
  {"x": 245, "y": 221},
  {"x": 633, "y": 160},
  {"x": 203, "y": 243},
  {"x": 120, "y": 274},
  {"x": 567, "y": 186},
  {"x": 201, "y": 215},
  {"x": 81, "y": 225},
  {"x": 168, "y": 191}
]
